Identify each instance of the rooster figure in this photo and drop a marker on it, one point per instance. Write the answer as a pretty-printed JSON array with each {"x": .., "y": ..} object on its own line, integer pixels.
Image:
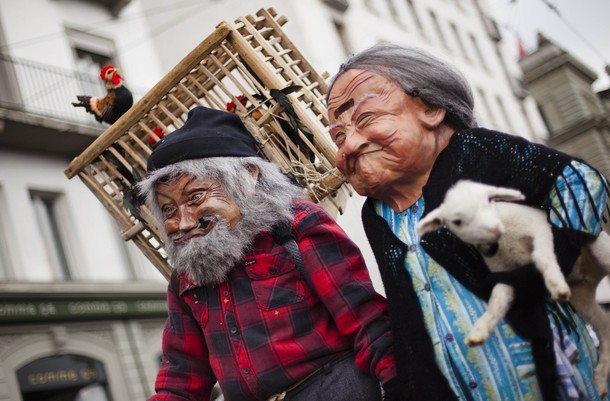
[{"x": 111, "y": 107}]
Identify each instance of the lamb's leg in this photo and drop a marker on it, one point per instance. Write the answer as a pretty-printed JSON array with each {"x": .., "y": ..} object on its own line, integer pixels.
[
  {"x": 543, "y": 255},
  {"x": 502, "y": 297},
  {"x": 585, "y": 304},
  {"x": 600, "y": 251}
]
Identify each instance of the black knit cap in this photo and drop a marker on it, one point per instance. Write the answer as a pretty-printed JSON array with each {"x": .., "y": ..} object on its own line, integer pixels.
[{"x": 206, "y": 133}]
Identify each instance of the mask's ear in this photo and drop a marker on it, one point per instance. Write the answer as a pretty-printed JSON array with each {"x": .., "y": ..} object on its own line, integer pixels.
[
  {"x": 430, "y": 117},
  {"x": 434, "y": 220},
  {"x": 504, "y": 194}
]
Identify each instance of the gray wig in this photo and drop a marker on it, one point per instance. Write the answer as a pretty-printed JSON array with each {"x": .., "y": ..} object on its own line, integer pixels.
[
  {"x": 420, "y": 74},
  {"x": 274, "y": 190}
]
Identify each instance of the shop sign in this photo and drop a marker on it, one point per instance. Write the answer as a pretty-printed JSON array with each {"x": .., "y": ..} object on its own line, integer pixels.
[
  {"x": 45, "y": 310},
  {"x": 62, "y": 371}
]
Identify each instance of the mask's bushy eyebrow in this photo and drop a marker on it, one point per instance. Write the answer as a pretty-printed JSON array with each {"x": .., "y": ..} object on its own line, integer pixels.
[
  {"x": 166, "y": 178},
  {"x": 364, "y": 98},
  {"x": 341, "y": 109}
]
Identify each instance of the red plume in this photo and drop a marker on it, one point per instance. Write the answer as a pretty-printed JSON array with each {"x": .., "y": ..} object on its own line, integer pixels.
[
  {"x": 231, "y": 105},
  {"x": 159, "y": 132}
]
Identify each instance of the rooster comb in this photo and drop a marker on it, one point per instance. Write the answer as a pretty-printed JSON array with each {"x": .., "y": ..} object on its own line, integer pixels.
[{"x": 110, "y": 72}]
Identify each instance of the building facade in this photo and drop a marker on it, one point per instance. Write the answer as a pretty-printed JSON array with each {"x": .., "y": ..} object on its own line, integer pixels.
[
  {"x": 81, "y": 312},
  {"x": 577, "y": 118}
]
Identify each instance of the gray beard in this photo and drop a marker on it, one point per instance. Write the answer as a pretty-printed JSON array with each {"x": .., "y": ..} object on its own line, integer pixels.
[{"x": 208, "y": 260}]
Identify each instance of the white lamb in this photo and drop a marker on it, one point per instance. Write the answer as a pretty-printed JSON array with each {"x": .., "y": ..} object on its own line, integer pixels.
[{"x": 511, "y": 235}]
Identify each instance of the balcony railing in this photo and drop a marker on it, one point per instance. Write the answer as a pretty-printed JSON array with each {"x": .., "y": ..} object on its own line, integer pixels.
[{"x": 46, "y": 90}]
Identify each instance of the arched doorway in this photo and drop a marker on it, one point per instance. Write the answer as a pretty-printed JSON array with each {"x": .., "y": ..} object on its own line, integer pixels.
[{"x": 63, "y": 378}]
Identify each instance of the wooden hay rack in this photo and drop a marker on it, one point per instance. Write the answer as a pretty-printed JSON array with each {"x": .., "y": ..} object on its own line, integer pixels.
[{"x": 242, "y": 61}]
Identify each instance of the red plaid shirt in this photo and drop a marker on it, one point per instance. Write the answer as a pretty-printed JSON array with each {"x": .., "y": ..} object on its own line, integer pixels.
[{"x": 264, "y": 329}]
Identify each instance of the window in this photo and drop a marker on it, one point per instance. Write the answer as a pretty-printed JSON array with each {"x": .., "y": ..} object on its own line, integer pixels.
[
  {"x": 394, "y": 12},
  {"x": 504, "y": 113},
  {"x": 4, "y": 270},
  {"x": 10, "y": 93},
  {"x": 91, "y": 53},
  {"x": 415, "y": 15},
  {"x": 491, "y": 26},
  {"x": 130, "y": 254},
  {"x": 89, "y": 62},
  {"x": 545, "y": 119},
  {"x": 126, "y": 255},
  {"x": 339, "y": 5},
  {"x": 439, "y": 30},
  {"x": 551, "y": 115},
  {"x": 477, "y": 50},
  {"x": 458, "y": 39},
  {"x": 5, "y": 231},
  {"x": 343, "y": 37},
  {"x": 490, "y": 120},
  {"x": 46, "y": 210}
]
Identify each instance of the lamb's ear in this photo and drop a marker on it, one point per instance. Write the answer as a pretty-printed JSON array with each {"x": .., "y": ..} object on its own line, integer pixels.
[
  {"x": 504, "y": 194},
  {"x": 431, "y": 222}
]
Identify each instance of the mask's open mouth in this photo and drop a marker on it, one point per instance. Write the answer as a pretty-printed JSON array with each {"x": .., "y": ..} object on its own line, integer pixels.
[{"x": 206, "y": 224}]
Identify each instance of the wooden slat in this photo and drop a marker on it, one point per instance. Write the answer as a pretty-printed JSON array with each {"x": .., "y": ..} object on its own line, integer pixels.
[{"x": 323, "y": 143}]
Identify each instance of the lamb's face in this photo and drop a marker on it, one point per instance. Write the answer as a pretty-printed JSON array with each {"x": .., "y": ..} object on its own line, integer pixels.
[
  {"x": 471, "y": 215},
  {"x": 469, "y": 211}
]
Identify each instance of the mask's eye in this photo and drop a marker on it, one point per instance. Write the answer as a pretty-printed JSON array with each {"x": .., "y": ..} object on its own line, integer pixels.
[
  {"x": 167, "y": 211},
  {"x": 196, "y": 196},
  {"x": 363, "y": 119},
  {"x": 339, "y": 138},
  {"x": 338, "y": 135},
  {"x": 456, "y": 222}
]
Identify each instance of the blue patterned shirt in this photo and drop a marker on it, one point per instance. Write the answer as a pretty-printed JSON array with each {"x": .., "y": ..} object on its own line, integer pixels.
[{"x": 503, "y": 367}]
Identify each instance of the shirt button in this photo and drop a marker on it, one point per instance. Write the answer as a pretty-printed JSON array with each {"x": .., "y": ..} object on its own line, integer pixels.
[
  {"x": 246, "y": 371},
  {"x": 272, "y": 271},
  {"x": 414, "y": 208},
  {"x": 472, "y": 385},
  {"x": 233, "y": 330},
  {"x": 225, "y": 293},
  {"x": 412, "y": 248},
  {"x": 427, "y": 287},
  {"x": 449, "y": 337}
]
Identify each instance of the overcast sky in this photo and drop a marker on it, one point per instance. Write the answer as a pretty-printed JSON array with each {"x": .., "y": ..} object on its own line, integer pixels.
[{"x": 581, "y": 27}]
